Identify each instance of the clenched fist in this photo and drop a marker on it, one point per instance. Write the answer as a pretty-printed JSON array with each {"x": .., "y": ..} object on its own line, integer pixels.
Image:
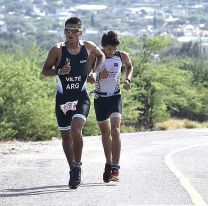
[
  {"x": 91, "y": 78},
  {"x": 104, "y": 74},
  {"x": 65, "y": 70},
  {"x": 127, "y": 85}
]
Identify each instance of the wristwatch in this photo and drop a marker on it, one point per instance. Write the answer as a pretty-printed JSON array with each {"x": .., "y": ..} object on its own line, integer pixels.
[
  {"x": 128, "y": 80},
  {"x": 57, "y": 71}
]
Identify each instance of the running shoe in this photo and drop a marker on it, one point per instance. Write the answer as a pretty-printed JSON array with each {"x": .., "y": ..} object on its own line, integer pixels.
[
  {"x": 115, "y": 174},
  {"x": 107, "y": 173},
  {"x": 75, "y": 178}
]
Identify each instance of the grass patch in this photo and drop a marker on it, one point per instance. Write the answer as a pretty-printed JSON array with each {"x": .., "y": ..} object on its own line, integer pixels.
[
  {"x": 205, "y": 124},
  {"x": 191, "y": 124},
  {"x": 179, "y": 124}
]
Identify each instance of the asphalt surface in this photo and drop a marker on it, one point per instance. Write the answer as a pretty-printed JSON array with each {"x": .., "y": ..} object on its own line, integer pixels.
[{"x": 36, "y": 173}]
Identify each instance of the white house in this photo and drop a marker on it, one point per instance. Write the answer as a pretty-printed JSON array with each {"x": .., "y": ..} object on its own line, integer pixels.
[
  {"x": 3, "y": 27},
  {"x": 204, "y": 49}
]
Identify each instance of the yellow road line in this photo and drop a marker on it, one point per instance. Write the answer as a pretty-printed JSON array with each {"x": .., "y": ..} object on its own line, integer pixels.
[{"x": 184, "y": 181}]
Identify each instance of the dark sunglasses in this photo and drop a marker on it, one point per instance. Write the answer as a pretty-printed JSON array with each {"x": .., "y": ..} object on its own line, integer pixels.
[{"x": 71, "y": 30}]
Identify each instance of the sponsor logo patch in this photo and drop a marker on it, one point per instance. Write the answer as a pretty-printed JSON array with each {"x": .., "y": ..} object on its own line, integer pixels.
[
  {"x": 68, "y": 106},
  {"x": 83, "y": 61},
  {"x": 115, "y": 64}
]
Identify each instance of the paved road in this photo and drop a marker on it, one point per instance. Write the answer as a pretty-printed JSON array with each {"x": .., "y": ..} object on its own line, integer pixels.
[{"x": 157, "y": 168}]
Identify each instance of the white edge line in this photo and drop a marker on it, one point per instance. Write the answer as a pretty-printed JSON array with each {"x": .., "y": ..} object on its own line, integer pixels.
[{"x": 184, "y": 181}]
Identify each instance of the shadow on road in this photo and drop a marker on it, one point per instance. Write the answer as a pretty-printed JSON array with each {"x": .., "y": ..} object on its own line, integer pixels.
[
  {"x": 34, "y": 191},
  {"x": 96, "y": 184},
  {"x": 46, "y": 190}
]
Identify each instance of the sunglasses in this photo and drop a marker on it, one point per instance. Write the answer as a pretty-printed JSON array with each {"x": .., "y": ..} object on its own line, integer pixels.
[{"x": 71, "y": 30}]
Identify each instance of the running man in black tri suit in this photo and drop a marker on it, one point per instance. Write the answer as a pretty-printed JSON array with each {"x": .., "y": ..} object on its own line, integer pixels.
[
  {"x": 108, "y": 102},
  {"x": 70, "y": 60}
]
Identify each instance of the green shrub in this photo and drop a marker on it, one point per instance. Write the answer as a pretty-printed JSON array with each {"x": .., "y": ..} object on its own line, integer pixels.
[{"x": 26, "y": 106}]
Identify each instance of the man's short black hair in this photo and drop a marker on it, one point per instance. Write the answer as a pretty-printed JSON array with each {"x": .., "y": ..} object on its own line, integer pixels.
[
  {"x": 110, "y": 38},
  {"x": 73, "y": 20}
]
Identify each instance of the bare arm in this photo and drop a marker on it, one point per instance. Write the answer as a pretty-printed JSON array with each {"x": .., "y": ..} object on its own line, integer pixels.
[
  {"x": 94, "y": 50},
  {"x": 53, "y": 60},
  {"x": 128, "y": 69},
  {"x": 50, "y": 62},
  {"x": 91, "y": 63},
  {"x": 127, "y": 64}
]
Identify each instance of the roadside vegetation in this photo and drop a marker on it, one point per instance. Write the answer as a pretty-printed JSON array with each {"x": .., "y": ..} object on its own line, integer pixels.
[
  {"x": 168, "y": 91},
  {"x": 178, "y": 124}
]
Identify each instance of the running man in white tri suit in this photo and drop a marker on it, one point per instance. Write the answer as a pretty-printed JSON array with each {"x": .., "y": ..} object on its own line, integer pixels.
[{"x": 108, "y": 102}]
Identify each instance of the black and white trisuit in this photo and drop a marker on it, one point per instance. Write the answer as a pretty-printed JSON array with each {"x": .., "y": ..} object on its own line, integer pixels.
[
  {"x": 72, "y": 99},
  {"x": 107, "y": 102}
]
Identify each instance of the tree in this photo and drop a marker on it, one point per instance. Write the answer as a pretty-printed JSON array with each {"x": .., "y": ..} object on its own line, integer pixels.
[
  {"x": 92, "y": 21},
  {"x": 26, "y": 104}
]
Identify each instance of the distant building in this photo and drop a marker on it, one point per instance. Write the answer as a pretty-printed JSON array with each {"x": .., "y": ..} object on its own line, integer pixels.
[
  {"x": 90, "y": 7},
  {"x": 190, "y": 30},
  {"x": 204, "y": 49},
  {"x": 204, "y": 33},
  {"x": 179, "y": 11},
  {"x": 3, "y": 27},
  {"x": 63, "y": 15},
  {"x": 37, "y": 12}
]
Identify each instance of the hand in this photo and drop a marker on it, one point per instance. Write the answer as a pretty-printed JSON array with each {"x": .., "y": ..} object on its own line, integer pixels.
[
  {"x": 127, "y": 85},
  {"x": 91, "y": 78},
  {"x": 64, "y": 70},
  {"x": 104, "y": 74}
]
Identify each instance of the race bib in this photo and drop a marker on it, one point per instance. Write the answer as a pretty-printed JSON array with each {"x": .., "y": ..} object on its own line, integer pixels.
[{"x": 68, "y": 106}]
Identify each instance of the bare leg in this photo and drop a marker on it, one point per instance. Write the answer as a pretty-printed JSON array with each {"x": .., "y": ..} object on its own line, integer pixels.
[
  {"x": 67, "y": 146},
  {"x": 116, "y": 141},
  {"x": 106, "y": 140},
  {"x": 76, "y": 134}
]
